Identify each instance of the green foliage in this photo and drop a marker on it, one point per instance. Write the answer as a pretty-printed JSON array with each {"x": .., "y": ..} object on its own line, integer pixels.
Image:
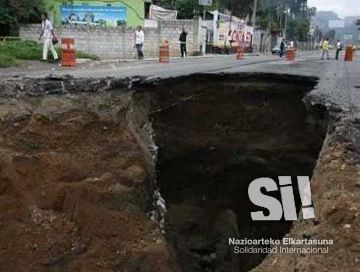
[
  {"x": 25, "y": 50},
  {"x": 31, "y": 50},
  {"x": 186, "y": 8},
  {"x": 85, "y": 55},
  {"x": 240, "y": 8},
  {"x": 298, "y": 29},
  {"x": 265, "y": 18},
  {"x": 15, "y": 12},
  {"x": 7, "y": 61}
]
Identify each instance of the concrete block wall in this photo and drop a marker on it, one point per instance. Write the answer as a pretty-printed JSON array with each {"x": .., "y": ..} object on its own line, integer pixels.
[
  {"x": 170, "y": 31},
  {"x": 117, "y": 42},
  {"x": 262, "y": 41}
]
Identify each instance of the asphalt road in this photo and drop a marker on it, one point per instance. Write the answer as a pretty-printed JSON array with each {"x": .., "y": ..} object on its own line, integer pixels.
[
  {"x": 339, "y": 82},
  {"x": 176, "y": 67}
]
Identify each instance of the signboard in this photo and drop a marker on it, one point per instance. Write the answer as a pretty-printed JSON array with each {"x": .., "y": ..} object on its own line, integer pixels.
[
  {"x": 336, "y": 24},
  {"x": 207, "y": 3},
  {"x": 93, "y": 15}
]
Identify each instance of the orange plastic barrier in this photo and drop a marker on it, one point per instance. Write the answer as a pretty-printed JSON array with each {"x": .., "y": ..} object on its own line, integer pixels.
[
  {"x": 240, "y": 53},
  {"x": 348, "y": 53},
  {"x": 291, "y": 54},
  {"x": 164, "y": 54},
  {"x": 68, "y": 52}
]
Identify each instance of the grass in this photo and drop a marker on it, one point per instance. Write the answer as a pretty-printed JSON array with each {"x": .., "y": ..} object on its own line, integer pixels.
[
  {"x": 85, "y": 55},
  {"x": 7, "y": 61},
  {"x": 29, "y": 50},
  {"x": 24, "y": 50}
]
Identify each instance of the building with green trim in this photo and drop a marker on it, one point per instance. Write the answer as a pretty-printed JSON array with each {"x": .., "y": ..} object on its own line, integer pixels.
[{"x": 96, "y": 12}]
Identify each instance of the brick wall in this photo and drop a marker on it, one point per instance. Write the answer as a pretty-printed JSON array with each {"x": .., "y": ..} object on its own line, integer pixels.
[{"x": 117, "y": 42}]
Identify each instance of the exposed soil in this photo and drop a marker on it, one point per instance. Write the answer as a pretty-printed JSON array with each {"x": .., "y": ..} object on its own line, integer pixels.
[
  {"x": 214, "y": 138},
  {"x": 74, "y": 187},
  {"x": 79, "y": 166},
  {"x": 336, "y": 194}
]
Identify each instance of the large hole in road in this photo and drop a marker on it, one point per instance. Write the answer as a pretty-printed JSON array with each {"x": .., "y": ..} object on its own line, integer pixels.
[{"x": 216, "y": 134}]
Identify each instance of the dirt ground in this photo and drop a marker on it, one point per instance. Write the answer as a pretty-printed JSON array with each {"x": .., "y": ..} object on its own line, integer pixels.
[
  {"x": 76, "y": 184},
  {"x": 335, "y": 191}
]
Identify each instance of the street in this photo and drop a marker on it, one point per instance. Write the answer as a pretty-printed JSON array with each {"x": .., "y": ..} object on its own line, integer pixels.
[
  {"x": 176, "y": 67},
  {"x": 87, "y": 151},
  {"x": 338, "y": 80}
]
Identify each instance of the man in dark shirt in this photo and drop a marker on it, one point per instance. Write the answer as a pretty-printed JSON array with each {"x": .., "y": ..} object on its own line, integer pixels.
[
  {"x": 182, "y": 40},
  {"x": 282, "y": 48}
]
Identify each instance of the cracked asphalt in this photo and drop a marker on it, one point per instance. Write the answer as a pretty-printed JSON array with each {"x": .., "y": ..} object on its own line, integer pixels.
[
  {"x": 338, "y": 169},
  {"x": 338, "y": 87}
]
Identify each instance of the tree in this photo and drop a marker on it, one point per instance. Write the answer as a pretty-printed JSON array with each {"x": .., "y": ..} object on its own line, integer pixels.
[
  {"x": 186, "y": 8},
  {"x": 298, "y": 29},
  {"x": 15, "y": 12},
  {"x": 240, "y": 8}
]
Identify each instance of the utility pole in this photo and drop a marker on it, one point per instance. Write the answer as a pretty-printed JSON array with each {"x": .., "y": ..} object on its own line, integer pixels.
[
  {"x": 231, "y": 12},
  {"x": 230, "y": 24},
  {"x": 253, "y": 18}
]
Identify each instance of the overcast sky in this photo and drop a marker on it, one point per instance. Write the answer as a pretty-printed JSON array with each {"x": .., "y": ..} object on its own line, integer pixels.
[{"x": 341, "y": 7}]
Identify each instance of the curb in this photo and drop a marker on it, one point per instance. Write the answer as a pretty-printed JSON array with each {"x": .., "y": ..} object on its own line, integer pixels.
[{"x": 173, "y": 58}]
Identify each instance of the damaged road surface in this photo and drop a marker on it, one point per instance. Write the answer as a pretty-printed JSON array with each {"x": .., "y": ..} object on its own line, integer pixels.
[
  {"x": 215, "y": 137},
  {"x": 85, "y": 165}
]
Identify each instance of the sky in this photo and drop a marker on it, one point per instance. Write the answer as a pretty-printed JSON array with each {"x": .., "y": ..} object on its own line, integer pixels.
[{"x": 341, "y": 7}]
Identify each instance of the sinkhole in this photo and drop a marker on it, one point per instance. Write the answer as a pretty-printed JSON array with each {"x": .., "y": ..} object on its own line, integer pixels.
[{"x": 215, "y": 135}]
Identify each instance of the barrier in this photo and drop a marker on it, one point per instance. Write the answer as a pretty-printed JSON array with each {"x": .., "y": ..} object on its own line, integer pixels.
[
  {"x": 348, "y": 53},
  {"x": 291, "y": 54},
  {"x": 164, "y": 54},
  {"x": 68, "y": 52},
  {"x": 240, "y": 53}
]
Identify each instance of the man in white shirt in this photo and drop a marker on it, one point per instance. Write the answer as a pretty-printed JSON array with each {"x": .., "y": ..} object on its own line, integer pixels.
[
  {"x": 47, "y": 33},
  {"x": 139, "y": 42}
]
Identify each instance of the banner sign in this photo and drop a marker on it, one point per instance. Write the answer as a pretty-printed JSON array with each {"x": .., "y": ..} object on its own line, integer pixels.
[
  {"x": 93, "y": 15},
  {"x": 207, "y": 3}
]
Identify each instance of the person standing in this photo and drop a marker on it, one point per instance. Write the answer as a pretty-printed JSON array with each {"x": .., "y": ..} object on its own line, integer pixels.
[
  {"x": 182, "y": 40},
  {"x": 325, "y": 49},
  {"x": 139, "y": 42},
  {"x": 292, "y": 44},
  {"x": 338, "y": 49},
  {"x": 282, "y": 48},
  {"x": 47, "y": 33}
]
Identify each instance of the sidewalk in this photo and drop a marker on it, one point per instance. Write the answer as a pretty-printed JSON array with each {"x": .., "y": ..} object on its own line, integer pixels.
[{"x": 178, "y": 58}]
